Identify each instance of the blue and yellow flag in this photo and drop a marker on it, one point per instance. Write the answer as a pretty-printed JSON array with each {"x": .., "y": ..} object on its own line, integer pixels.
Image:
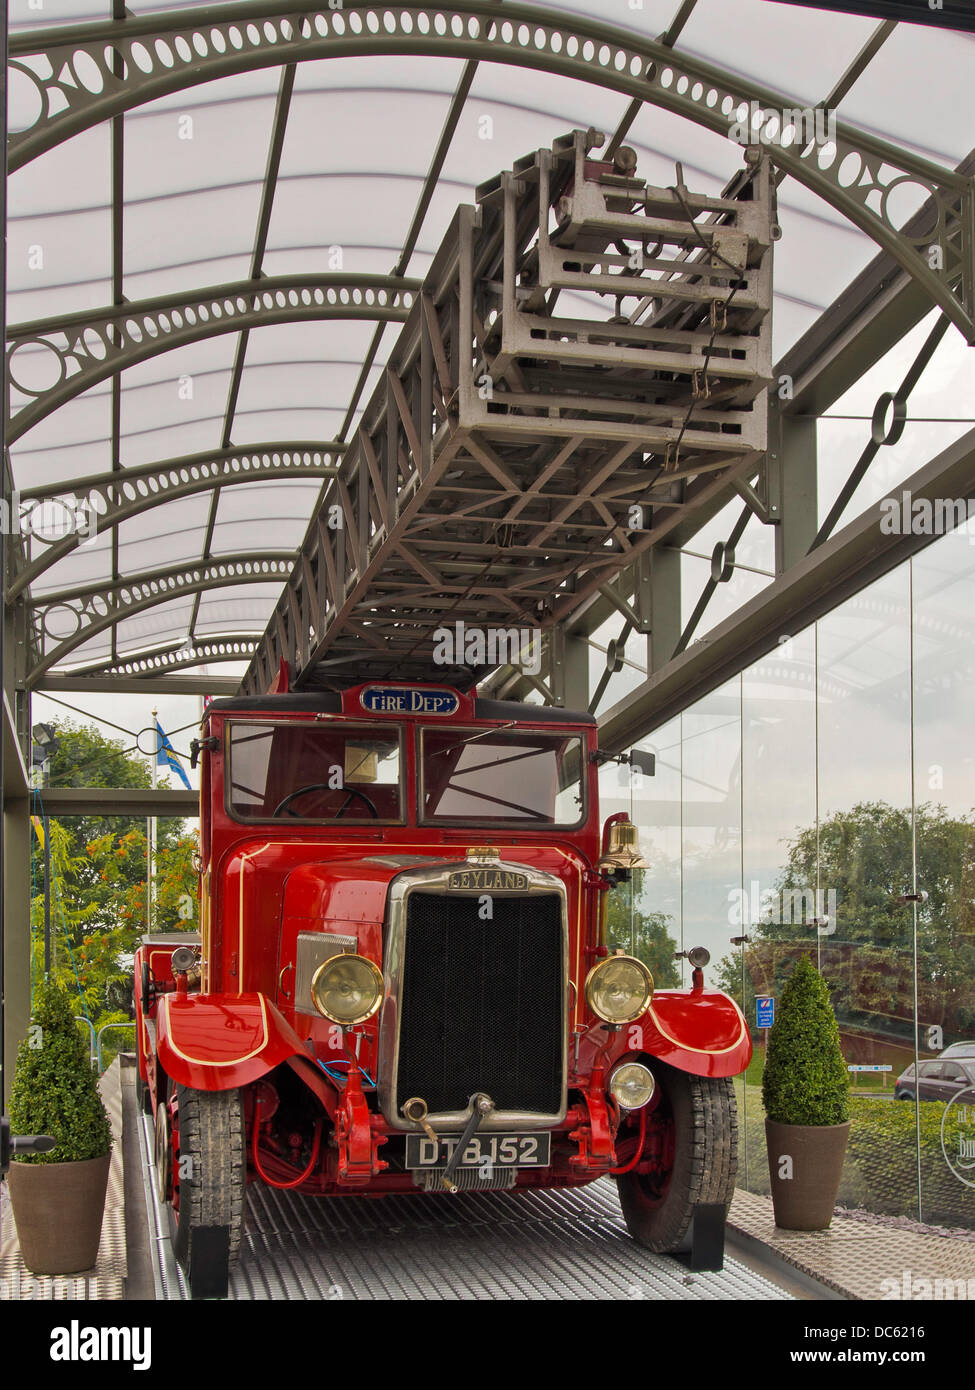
[{"x": 166, "y": 756}]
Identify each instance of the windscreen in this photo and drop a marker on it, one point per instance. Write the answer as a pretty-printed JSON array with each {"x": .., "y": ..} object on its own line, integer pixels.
[
  {"x": 314, "y": 772},
  {"x": 499, "y": 778}
]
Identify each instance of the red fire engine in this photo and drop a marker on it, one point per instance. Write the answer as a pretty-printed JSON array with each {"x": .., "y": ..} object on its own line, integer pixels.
[{"x": 402, "y": 981}]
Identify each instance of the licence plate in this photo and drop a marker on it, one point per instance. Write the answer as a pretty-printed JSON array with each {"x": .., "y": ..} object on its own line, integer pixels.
[{"x": 498, "y": 1150}]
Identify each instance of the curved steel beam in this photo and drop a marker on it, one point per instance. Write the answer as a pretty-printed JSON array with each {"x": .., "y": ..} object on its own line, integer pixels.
[
  {"x": 53, "y": 360},
  {"x": 173, "y": 656},
  {"x": 82, "y": 74},
  {"x": 69, "y": 617},
  {"x": 112, "y": 498}
]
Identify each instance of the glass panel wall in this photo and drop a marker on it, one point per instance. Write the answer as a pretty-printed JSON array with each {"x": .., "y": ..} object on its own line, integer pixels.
[
  {"x": 776, "y": 904},
  {"x": 823, "y": 802},
  {"x": 944, "y": 782},
  {"x": 711, "y": 817},
  {"x": 865, "y": 866}
]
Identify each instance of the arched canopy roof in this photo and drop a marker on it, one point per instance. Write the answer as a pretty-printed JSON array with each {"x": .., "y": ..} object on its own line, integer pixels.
[{"x": 210, "y": 249}]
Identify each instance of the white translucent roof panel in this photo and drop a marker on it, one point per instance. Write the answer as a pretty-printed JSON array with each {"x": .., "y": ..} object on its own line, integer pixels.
[
  {"x": 244, "y": 610},
  {"x": 59, "y": 253},
  {"x": 174, "y": 403},
  {"x": 154, "y": 626},
  {"x": 71, "y": 442},
  {"x": 789, "y": 48},
  {"x": 264, "y": 516},
  {"x": 171, "y": 534},
  {"x": 306, "y": 399},
  {"x": 341, "y": 222},
  {"x": 193, "y": 176},
  {"x": 59, "y": 231},
  {"x": 25, "y": 15},
  {"x": 935, "y": 116},
  {"x": 299, "y": 377},
  {"x": 89, "y": 564},
  {"x": 96, "y": 649},
  {"x": 357, "y": 148}
]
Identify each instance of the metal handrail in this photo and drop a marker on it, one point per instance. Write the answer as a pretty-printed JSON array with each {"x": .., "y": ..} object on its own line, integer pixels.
[
  {"x": 92, "y": 1046},
  {"x": 98, "y": 1041}
]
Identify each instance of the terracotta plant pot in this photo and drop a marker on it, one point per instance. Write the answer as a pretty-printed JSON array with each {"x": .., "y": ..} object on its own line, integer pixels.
[
  {"x": 805, "y": 1201},
  {"x": 58, "y": 1209}
]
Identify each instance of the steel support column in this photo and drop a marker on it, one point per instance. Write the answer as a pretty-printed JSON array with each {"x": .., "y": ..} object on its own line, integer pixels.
[
  {"x": 569, "y": 667},
  {"x": 665, "y": 605},
  {"x": 792, "y": 485}
]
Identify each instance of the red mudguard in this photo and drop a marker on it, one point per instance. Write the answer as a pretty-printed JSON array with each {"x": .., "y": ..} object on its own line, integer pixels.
[
  {"x": 703, "y": 1033},
  {"x": 213, "y": 1042}
]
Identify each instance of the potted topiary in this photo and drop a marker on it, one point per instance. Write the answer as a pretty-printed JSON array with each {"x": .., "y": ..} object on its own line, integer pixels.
[
  {"x": 58, "y": 1198},
  {"x": 806, "y": 1091}
]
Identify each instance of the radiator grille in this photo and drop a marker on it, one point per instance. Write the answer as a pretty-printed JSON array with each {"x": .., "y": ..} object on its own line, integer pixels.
[{"x": 482, "y": 1006}]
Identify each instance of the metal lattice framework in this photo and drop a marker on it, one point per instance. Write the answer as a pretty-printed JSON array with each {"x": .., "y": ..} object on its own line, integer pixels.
[
  {"x": 83, "y": 74},
  {"x": 176, "y": 656},
  {"x": 113, "y": 498},
  {"x": 53, "y": 360},
  {"x": 498, "y": 465},
  {"x": 70, "y": 617}
]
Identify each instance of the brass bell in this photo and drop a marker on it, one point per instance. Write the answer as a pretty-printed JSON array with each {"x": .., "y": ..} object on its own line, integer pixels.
[{"x": 623, "y": 850}]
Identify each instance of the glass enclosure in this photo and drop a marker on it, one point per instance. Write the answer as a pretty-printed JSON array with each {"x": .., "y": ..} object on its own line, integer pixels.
[{"x": 823, "y": 802}]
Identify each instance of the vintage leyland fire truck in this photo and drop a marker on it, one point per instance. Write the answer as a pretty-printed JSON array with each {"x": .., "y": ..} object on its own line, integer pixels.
[{"x": 402, "y": 981}]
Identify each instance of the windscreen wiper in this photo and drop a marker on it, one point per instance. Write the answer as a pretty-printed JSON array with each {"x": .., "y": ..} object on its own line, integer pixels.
[{"x": 512, "y": 723}]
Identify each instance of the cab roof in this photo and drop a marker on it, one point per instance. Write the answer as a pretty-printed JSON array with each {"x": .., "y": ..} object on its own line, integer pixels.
[{"x": 330, "y": 702}]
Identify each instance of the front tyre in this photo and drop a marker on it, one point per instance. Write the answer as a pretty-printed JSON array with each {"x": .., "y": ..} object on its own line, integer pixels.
[
  {"x": 210, "y": 1178},
  {"x": 690, "y": 1160}
]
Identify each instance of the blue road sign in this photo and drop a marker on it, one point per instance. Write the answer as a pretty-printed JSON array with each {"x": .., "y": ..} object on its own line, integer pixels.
[{"x": 764, "y": 1011}]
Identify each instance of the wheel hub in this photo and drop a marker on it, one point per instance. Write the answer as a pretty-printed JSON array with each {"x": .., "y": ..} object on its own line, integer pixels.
[{"x": 162, "y": 1153}]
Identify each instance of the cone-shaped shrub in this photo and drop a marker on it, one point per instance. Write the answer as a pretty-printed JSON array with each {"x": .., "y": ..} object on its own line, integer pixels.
[
  {"x": 55, "y": 1090},
  {"x": 805, "y": 1080}
]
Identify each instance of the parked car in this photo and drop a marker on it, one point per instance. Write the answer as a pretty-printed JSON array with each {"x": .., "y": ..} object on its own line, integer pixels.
[
  {"x": 939, "y": 1080},
  {"x": 960, "y": 1049}
]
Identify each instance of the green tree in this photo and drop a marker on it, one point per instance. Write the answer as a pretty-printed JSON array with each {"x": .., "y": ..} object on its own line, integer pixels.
[
  {"x": 86, "y": 758},
  {"x": 805, "y": 1081},
  {"x": 54, "y": 1090},
  {"x": 865, "y": 858},
  {"x": 98, "y": 879},
  {"x": 642, "y": 934}
]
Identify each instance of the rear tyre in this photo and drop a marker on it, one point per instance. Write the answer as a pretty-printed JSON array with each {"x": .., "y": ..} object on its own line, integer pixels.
[
  {"x": 211, "y": 1171},
  {"x": 697, "y": 1125},
  {"x": 143, "y": 1094}
]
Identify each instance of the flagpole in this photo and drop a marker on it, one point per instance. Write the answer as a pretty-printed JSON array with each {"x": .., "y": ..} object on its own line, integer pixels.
[{"x": 151, "y": 886}]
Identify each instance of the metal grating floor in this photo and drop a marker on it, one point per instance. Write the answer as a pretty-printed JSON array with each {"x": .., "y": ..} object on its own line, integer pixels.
[{"x": 488, "y": 1246}]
